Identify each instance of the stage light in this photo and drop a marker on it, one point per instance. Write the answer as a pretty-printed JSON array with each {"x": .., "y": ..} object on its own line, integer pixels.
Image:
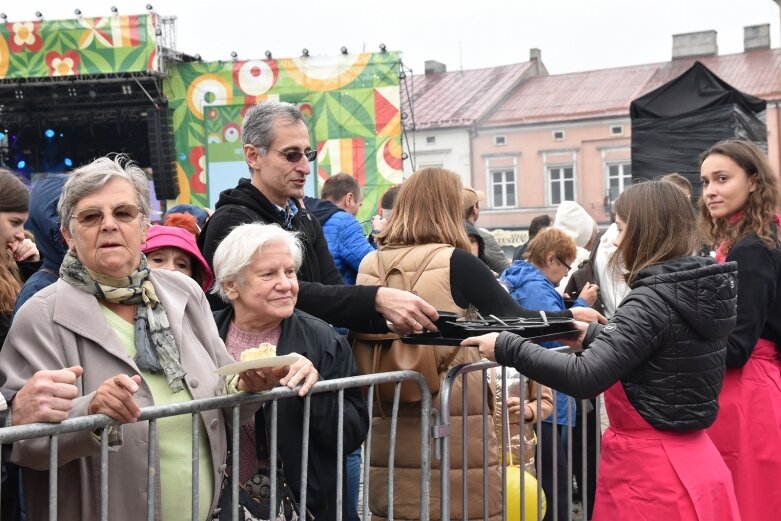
[
  {"x": 68, "y": 161},
  {"x": 21, "y": 164},
  {"x": 3, "y": 17},
  {"x": 383, "y": 48},
  {"x": 344, "y": 50},
  {"x": 2, "y": 136},
  {"x": 304, "y": 52},
  {"x": 149, "y": 8},
  {"x": 158, "y": 32},
  {"x": 77, "y": 12},
  {"x": 268, "y": 55},
  {"x": 114, "y": 10},
  {"x": 39, "y": 15},
  {"x": 234, "y": 56},
  {"x": 49, "y": 133}
]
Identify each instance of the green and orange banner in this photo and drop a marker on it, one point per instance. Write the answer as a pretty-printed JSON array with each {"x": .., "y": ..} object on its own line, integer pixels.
[{"x": 79, "y": 46}]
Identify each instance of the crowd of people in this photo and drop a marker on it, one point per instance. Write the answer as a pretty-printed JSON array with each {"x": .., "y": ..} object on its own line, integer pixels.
[{"x": 104, "y": 312}]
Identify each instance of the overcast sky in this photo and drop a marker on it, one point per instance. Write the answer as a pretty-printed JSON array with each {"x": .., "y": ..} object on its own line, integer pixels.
[{"x": 574, "y": 35}]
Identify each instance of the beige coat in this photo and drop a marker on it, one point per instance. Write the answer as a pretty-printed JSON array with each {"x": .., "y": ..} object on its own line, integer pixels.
[
  {"x": 62, "y": 326},
  {"x": 434, "y": 287}
]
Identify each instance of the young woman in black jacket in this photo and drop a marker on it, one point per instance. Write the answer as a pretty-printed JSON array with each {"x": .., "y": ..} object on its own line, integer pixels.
[
  {"x": 739, "y": 205},
  {"x": 660, "y": 362}
]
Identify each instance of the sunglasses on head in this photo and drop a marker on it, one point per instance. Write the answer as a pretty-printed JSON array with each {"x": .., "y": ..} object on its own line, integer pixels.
[
  {"x": 294, "y": 156},
  {"x": 90, "y": 217}
]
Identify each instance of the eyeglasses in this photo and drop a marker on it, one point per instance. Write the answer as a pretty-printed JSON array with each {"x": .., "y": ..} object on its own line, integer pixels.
[
  {"x": 294, "y": 156},
  {"x": 91, "y": 217},
  {"x": 569, "y": 268}
]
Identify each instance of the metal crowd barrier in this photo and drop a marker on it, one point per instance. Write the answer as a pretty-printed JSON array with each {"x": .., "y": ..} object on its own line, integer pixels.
[
  {"x": 441, "y": 434},
  {"x": 152, "y": 414}
]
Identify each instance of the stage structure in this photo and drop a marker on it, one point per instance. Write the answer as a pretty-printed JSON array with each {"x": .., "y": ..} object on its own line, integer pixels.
[
  {"x": 72, "y": 90},
  {"x": 351, "y": 101},
  {"x": 674, "y": 123}
]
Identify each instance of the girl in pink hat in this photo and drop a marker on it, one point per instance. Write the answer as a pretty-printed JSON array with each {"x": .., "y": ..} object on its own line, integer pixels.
[{"x": 174, "y": 249}]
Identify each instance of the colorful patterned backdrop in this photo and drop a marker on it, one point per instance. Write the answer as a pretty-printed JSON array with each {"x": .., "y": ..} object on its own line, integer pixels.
[
  {"x": 352, "y": 102},
  {"x": 77, "y": 46}
]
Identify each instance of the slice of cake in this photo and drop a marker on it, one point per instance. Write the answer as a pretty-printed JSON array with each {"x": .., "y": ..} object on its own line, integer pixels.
[{"x": 264, "y": 350}]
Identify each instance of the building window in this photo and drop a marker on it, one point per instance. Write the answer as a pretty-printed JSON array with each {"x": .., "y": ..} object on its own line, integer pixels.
[
  {"x": 430, "y": 140},
  {"x": 619, "y": 176},
  {"x": 561, "y": 183},
  {"x": 558, "y": 135},
  {"x": 503, "y": 188},
  {"x": 617, "y": 130},
  {"x": 500, "y": 141}
]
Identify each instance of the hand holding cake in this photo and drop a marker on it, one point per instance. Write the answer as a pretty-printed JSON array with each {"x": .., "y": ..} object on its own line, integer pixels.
[
  {"x": 264, "y": 379},
  {"x": 301, "y": 372}
]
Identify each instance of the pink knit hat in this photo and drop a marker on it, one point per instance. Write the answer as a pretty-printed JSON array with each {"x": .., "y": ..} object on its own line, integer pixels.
[{"x": 171, "y": 237}]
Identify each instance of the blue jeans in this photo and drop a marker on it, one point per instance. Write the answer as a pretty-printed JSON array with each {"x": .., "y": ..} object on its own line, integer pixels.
[{"x": 353, "y": 483}]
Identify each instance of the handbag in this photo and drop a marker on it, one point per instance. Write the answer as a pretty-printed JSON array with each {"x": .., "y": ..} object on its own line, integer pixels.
[
  {"x": 380, "y": 353},
  {"x": 255, "y": 493},
  {"x": 255, "y": 498}
]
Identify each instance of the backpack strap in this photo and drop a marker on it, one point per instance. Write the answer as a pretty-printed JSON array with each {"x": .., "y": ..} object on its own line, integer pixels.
[{"x": 425, "y": 263}]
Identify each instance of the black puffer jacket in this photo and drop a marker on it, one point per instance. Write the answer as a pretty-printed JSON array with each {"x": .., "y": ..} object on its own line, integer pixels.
[
  {"x": 666, "y": 343},
  {"x": 329, "y": 353}
]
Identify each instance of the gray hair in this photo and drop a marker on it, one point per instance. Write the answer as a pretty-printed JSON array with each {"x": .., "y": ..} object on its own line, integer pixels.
[
  {"x": 236, "y": 251},
  {"x": 258, "y": 126},
  {"x": 90, "y": 178}
]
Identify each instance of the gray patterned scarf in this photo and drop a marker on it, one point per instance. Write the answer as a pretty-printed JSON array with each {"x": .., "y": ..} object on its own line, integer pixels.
[{"x": 156, "y": 350}]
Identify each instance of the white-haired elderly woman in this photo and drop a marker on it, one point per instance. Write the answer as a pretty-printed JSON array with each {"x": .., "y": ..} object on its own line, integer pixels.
[
  {"x": 143, "y": 338},
  {"x": 255, "y": 269}
]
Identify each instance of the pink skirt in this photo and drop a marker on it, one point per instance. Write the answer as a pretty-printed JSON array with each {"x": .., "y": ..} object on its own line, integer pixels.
[
  {"x": 650, "y": 475},
  {"x": 747, "y": 432}
]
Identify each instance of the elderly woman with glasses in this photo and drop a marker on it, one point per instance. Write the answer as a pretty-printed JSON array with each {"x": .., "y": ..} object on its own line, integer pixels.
[{"x": 143, "y": 338}]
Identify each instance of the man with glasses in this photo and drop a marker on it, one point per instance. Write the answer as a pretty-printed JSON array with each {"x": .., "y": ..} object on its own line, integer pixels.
[{"x": 278, "y": 152}]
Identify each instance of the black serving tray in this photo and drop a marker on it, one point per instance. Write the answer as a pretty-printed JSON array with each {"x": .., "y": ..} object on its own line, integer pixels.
[{"x": 452, "y": 331}]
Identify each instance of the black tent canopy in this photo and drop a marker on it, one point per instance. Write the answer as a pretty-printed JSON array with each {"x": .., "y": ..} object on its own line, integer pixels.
[{"x": 673, "y": 124}]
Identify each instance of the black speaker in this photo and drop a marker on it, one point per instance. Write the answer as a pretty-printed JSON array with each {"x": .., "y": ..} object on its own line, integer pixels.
[{"x": 162, "y": 154}]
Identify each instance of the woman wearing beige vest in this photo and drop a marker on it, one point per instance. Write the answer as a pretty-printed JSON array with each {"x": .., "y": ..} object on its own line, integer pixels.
[{"x": 425, "y": 239}]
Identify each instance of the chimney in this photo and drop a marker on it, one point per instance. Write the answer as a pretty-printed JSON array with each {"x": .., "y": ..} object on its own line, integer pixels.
[
  {"x": 756, "y": 37},
  {"x": 689, "y": 45},
  {"x": 535, "y": 54},
  {"x": 433, "y": 66}
]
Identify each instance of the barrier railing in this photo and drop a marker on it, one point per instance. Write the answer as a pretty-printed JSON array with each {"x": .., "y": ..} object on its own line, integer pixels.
[
  {"x": 233, "y": 402},
  {"x": 441, "y": 434}
]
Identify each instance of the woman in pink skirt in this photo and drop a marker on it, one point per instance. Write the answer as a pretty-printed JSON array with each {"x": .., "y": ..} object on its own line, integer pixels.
[
  {"x": 660, "y": 361},
  {"x": 739, "y": 205}
]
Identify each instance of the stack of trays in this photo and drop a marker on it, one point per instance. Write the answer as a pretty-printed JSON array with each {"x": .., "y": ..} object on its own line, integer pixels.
[{"x": 452, "y": 331}]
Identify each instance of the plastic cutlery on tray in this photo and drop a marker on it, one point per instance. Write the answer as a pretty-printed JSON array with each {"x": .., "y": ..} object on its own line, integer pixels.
[{"x": 452, "y": 331}]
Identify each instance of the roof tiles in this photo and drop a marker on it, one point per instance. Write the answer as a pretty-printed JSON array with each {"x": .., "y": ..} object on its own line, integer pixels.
[{"x": 455, "y": 99}]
